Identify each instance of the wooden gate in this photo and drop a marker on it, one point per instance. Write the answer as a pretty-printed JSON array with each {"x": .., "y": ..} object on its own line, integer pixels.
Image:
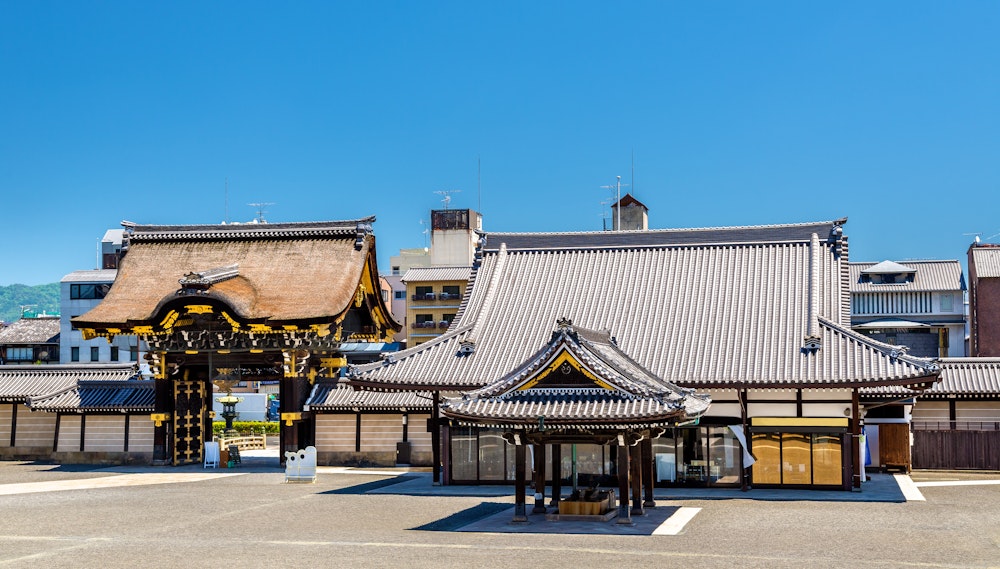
[
  {"x": 894, "y": 445},
  {"x": 189, "y": 415},
  {"x": 978, "y": 450}
]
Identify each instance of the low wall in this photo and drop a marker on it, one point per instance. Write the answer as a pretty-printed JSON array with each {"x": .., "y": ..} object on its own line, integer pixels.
[
  {"x": 387, "y": 458},
  {"x": 45, "y": 454}
]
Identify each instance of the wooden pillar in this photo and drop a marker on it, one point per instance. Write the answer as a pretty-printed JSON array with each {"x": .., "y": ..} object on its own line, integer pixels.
[
  {"x": 556, "y": 475},
  {"x": 163, "y": 403},
  {"x": 436, "y": 438},
  {"x": 856, "y": 439},
  {"x": 745, "y": 472},
  {"x": 539, "y": 479},
  {"x": 624, "y": 516},
  {"x": 648, "y": 472},
  {"x": 635, "y": 478},
  {"x": 520, "y": 463}
]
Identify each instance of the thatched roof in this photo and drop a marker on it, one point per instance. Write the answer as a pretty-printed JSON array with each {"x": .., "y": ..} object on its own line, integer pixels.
[{"x": 274, "y": 272}]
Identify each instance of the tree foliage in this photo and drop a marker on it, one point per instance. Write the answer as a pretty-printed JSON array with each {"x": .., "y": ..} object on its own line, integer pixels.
[{"x": 37, "y": 299}]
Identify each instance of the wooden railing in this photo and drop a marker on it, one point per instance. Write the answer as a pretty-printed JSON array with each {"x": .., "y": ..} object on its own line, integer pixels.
[{"x": 250, "y": 442}]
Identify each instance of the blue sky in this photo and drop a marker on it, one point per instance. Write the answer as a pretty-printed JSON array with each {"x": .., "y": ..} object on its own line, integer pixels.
[{"x": 734, "y": 113}]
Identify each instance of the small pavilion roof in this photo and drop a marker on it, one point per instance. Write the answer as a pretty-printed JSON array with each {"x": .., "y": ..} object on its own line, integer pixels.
[{"x": 579, "y": 378}]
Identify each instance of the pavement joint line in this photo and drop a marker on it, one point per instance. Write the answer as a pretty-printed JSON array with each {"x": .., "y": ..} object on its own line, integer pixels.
[
  {"x": 814, "y": 561},
  {"x": 144, "y": 479},
  {"x": 910, "y": 491},
  {"x": 675, "y": 523},
  {"x": 957, "y": 483}
]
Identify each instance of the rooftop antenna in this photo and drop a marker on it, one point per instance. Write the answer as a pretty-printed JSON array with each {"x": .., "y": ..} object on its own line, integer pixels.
[
  {"x": 227, "y": 199},
  {"x": 976, "y": 235},
  {"x": 260, "y": 210},
  {"x": 479, "y": 182},
  {"x": 617, "y": 187},
  {"x": 604, "y": 214},
  {"x": 25, "y": 307},
  {"x": 424, "y": 232},
  {"x": 447, "y": 196}
]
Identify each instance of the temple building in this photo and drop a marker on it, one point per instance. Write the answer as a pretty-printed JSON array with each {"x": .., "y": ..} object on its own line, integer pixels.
[
  {"x": 241, "y": 302},
  {"x": 752, "y": 322}
]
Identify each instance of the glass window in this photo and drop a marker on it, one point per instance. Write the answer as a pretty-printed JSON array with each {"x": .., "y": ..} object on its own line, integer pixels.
[
  {"x": 946, "y": 303},
  {"x": 796, "y": 458},
  {"x": 665, "y": 459},
  {"x": 425, "y": 291},
  {"x": 114, "y": 353},
  {"x": 450, "y": 292},
  {"x": 492, "y": 455},
  {"x": 399, "y": 294},
  {"x": 767, "y": 450},
  {"x": 827, "y": 460},
  {"x": 88, "y": 291},
  {"x": 74, "y": 354},
  {"x": 724, "y": 452},
  {"x": 133, "y": 353},
  {"x": 95, "y": 354},
  {"x": 464, "y": 454}
]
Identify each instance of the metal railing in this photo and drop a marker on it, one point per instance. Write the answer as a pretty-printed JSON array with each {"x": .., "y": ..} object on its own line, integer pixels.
[{"x": 955, "y": 425}]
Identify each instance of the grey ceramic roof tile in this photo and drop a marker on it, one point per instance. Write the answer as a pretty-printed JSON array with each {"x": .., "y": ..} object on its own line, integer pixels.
[
  {"x": 329, "y": 396},
  {"x": 734, "y": 311},
  {"x": 17, "y": 383},
  {"x": 987, "y": 261},
  {"x": 432, "y": 274},
  {"x": 936, "y": 276},
  {"x": 44, "y": 330},
  {"x": 137, "y": 396}
]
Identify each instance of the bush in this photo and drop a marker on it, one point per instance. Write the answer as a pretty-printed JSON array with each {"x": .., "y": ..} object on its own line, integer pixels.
[{"x": 247, "y": 427}]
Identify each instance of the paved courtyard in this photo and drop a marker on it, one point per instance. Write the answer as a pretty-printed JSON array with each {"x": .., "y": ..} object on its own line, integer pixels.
[{"x": 65, "y": 516}]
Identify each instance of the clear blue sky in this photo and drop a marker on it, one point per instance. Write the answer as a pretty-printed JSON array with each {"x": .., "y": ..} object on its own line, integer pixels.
[{"x": 736, "y": 113}]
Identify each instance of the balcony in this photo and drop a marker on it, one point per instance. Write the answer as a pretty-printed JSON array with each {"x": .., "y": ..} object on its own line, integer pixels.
[
  {"x": 425, "y": 296},
  {"x": 427, "y": 324},
  {"x": 444, "y": 324},
  {"x": 449, "y": 296}
]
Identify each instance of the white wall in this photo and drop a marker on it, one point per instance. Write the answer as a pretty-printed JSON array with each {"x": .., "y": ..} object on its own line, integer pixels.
[{"x": 252, "y": 408}]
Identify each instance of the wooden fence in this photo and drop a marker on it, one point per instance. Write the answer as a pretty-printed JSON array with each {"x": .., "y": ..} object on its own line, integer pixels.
[
  {"x": 245, "y": 443},
  {"x": 956, "y": 449}
]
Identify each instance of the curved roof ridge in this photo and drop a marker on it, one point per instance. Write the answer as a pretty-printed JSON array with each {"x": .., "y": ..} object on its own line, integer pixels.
[
  {"x": 840, "y": 221},
  {"x": 898, "y": 352}
]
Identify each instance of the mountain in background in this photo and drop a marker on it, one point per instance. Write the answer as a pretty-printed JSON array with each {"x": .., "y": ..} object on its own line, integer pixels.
[{"x": 32, "y": 299}]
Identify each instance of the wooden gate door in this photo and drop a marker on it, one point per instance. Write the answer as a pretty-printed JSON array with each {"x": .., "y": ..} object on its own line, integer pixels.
[
  {"x": 894, "y": 445},
  {"x": 189, "y": 414}
]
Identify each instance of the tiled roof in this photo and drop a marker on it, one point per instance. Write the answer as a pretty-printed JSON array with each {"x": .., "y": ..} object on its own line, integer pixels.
[
  {"x": 329, "y": 396},
  {"x": 965, "y": 377},
  {"x": 93, "y": 396},
  {"x": 987, "y": 261},
  {"x": 612, "y": 389},
  {"x": 709, "y": 307},
  {"x": 91, "y": 276},
  {"x": 17, "y": 383},
  {"x": 43, "y": 330},
  {"x": 663, "y": 237},
  {"x": 282, "y": 272},
  {"x": 934, "y": 276},
  {"x": 430, "y": 274}
]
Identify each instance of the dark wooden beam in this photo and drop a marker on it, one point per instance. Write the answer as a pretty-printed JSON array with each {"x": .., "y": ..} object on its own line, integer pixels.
[
  {"x": 624, "y": 517},
  {"x": 635, "y": 476},
  {"x": 556, "y": 475},
  {"x": 520, "y": 462},
  {"x": 539, "y": 479},
  {"x": 436, "y": 438},
  {"x": 648, "y": 472}
]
